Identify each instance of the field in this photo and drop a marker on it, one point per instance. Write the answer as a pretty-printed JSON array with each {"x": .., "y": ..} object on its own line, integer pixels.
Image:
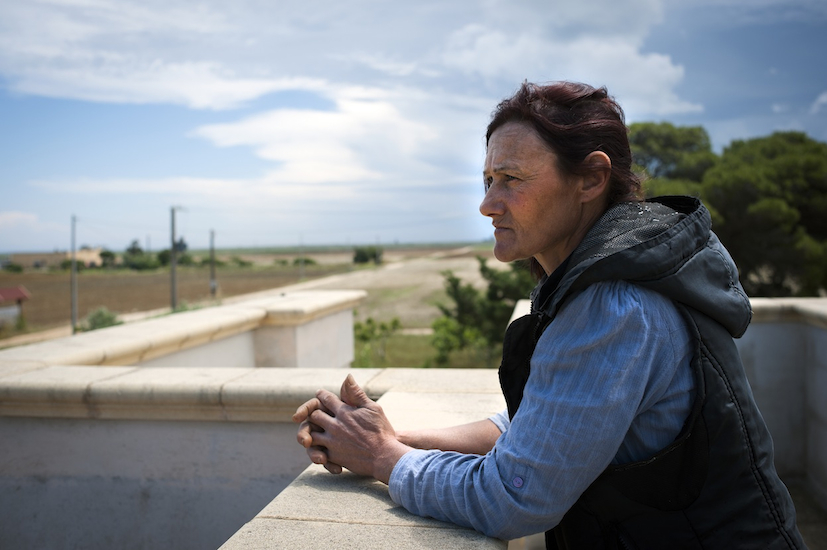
[
  {"x": 125, "y": 291},
  {"x": 407, "y": 286}
]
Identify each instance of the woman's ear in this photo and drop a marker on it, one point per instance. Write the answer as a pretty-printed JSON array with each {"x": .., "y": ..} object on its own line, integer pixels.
[{"x": 598, "y": 173}]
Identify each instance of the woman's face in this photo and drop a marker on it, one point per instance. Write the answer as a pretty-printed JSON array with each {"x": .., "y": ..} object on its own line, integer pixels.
[{"x": 537, "y": 211}]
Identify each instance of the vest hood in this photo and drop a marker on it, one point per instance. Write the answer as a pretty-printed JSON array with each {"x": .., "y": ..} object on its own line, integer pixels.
[{"x": 664, "y": 244}]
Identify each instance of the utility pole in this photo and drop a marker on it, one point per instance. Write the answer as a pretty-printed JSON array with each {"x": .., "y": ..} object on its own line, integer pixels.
[
  {"x": 301, "y": 257},
  {"x": 74, "y": 279},
  {"x": 173, "y": 260},
  {"x": 213, "y": 282}
]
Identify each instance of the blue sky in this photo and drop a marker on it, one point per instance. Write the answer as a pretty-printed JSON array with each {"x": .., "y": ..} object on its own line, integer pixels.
[{"x": 356, "y": 121}]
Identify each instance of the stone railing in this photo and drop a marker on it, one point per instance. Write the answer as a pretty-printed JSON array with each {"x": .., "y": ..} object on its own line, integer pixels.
[
  {"x": 170, "y": 433},
  {"x": 319, "y": 510},
  {"x": 99, "y": 454}
]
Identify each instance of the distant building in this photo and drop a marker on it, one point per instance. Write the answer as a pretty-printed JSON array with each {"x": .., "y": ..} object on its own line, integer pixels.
[
  {"x": 11, "y": 304},
  {"x": 89, "y": 257}
]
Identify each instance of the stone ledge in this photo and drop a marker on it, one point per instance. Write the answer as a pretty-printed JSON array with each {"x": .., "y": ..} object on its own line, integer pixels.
[
  {"x": 168, "y": 393},
  {"x": 266, "y": 534},
  {"x": 811, "y": 311},
  {"x": 348, "y": 511},
  {"x": 153, "y": 338},
  {"x": 301, "y": 307},
  {"x": 435, "y": 381}
]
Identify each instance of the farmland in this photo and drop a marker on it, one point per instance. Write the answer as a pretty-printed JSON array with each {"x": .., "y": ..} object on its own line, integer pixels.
[
  {"x": 125, "y": 291},
  {"x": 404, "y": 293}
]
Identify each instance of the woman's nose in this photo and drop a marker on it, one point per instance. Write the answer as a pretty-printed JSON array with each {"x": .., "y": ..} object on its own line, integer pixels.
[{"x": 492, "y": 204}]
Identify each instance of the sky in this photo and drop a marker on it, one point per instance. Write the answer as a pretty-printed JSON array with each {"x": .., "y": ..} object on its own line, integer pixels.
[{"x": 276, "y": 123}]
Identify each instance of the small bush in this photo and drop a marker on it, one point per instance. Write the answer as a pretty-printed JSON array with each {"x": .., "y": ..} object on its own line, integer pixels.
[
  {"x": 365, "y": 254},
  {"x": 304, "y": 260},
  {"x": 13, "y": 268},
  {"x": 66, "y": 265},
  {"x": 99, "y": 318},
  {"x": 141, "y": 262}
]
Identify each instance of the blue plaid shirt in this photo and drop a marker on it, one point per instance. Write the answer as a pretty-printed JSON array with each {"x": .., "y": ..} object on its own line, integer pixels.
[{"x": 610, "y": 382}]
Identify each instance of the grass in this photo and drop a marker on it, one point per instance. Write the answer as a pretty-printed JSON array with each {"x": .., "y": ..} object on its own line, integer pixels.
[{"x": 415, "y": 351}]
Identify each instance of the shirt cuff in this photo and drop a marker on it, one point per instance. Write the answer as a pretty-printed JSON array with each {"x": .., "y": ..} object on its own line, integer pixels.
[
  {"x": 399, "y": 484},
  {"x": 501, "y": 420}
]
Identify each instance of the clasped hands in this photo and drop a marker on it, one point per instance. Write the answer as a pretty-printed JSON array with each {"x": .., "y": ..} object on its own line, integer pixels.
[{"x": 349, "y": 431}]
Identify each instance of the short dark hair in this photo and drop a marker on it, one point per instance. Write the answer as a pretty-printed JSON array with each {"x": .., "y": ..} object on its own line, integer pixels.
[{"x": 575, "y": 119}]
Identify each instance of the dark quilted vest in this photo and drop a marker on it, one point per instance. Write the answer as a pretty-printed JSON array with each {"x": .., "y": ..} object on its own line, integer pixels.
[{"x": 714, "y": 487}]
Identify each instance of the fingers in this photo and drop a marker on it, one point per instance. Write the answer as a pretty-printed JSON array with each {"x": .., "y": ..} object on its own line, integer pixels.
[
  {"x": 304, "y": 410},
  {"x": 328, "y": 402},
  {"x": 305, "y": 434},
  {"x": 318, "y": 455},
  {"x": 352, "y": 394}
]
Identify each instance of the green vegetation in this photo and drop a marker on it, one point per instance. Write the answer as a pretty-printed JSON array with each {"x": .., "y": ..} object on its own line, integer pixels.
[
  {"x": 373, "y": 338},
  {"x": 238, "y": 261},
  {"x": 99, "y": 318},
  {"x": 67, "y": 265},
  {"x": 365, "y": 254},
  {"x": 304, "y": 260},
  {"x": 477, "y": 319},
  {"x": 415, "y": 351},
  {"x": 107, "y": 258},
  {"x": 135, "y": 258},
  {"x": 767, "y": 197}
]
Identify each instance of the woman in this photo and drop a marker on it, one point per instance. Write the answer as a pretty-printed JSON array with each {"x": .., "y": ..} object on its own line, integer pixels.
[{"x": 630, "y": 423}]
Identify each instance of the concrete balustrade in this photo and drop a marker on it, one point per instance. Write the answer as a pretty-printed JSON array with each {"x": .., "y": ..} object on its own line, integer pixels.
[{"x": 108, "y": 442}]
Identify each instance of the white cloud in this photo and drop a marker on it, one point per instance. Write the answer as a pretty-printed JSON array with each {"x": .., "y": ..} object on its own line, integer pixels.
[
  {"x": 819, "y": 103},
  {"x": 410, "y": 88},
  {"x": 366, "y": 137},
  {"x": 11, "y": 221},
  {"x": 215, "y": 55}
]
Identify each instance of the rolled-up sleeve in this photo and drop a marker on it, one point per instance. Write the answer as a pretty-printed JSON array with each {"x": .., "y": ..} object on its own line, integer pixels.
[{"x": 613, "y": 352}]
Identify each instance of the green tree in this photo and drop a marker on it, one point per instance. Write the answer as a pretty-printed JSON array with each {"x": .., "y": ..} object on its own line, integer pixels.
[
  {"x": 373, "y": 338},
  {"x": 107, "y": 258},
  {"x": 134, "y": 248},
  {"x": 67, "y": 265},
  {"x": 478, "y": 318},
  {"x": 768, "y": 199},
  {"x": 135, "y": 258},
  {"x": 365, "y": 254},
  {"x": 674, "y": 158},
  {"x": 164, "y": 258},
  {"x": 304, "y": 260}
]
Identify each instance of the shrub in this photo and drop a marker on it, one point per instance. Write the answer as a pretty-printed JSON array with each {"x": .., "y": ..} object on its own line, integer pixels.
[
  {"x": 99, "y": 318},
  {"x": 304, "y": 260},
  {"x": 365, "y": 254}
]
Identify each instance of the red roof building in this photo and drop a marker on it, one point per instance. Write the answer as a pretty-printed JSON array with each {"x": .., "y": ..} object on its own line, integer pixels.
[{"x": 14, "y": 294}]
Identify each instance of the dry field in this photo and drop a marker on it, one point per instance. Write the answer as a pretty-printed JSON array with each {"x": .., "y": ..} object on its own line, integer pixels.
[
  {"x": 124, "y": 291},
  {"x": 407, "y": 286}
]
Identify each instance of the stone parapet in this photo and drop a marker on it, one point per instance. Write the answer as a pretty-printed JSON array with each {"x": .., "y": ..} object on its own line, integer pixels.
[
  {"x": 168, "y": 393},
  {"x": 159, "y": 339},
  {"x": 348, "y": 511}
]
